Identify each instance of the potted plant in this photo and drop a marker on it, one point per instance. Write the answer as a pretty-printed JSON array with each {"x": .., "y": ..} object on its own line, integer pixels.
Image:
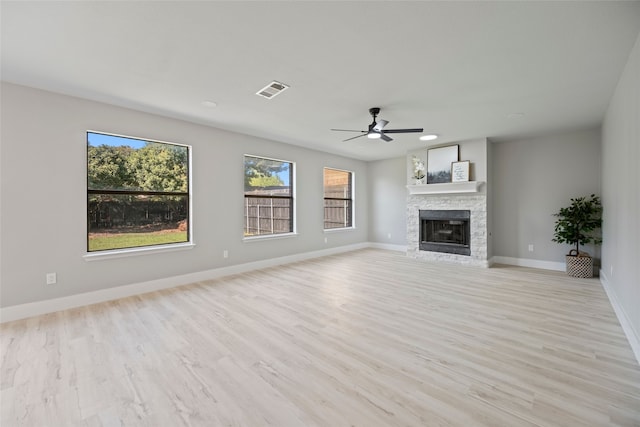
[{"x": 576, "y": 225}]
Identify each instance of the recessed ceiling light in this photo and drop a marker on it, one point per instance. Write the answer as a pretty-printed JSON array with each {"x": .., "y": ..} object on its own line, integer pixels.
[
  {"x": 429, "y": 137},
  {"x": 209, "y": 104},
  {"x": 515, "y": 115}
]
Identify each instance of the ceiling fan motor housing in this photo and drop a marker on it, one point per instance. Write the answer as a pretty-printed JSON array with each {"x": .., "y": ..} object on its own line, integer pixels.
[{"x": 376, "y": 128}]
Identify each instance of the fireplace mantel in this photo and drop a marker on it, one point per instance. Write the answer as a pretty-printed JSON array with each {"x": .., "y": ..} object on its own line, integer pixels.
[{"x": 446, "y": 188}]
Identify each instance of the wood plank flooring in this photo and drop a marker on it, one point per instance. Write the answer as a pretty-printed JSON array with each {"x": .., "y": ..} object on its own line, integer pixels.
[{"x": 367, "y": 338}]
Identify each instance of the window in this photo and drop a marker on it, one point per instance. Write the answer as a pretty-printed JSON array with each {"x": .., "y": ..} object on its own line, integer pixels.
[
  {"x": 137, "y": 192},
  {"x": 338, "y": 199},
  {"x": 268, "y": 196}
]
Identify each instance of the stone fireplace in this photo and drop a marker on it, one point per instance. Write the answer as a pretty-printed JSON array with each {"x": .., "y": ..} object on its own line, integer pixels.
[
  {"x": 460, "y": 212},
  {"x": 448, "y": 222}
]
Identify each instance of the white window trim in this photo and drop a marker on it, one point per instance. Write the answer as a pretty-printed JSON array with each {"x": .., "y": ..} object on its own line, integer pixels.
[
  {"x": 353, "y": 201},
  {"x": 142, "y": 250},
  {"x": 337, "y": 230},
  {"x": 269, "y": 237},
  {"x": 293, "y": 201}
]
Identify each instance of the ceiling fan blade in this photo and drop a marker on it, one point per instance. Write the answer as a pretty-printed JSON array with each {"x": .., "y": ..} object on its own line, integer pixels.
[
  {"x": 376, "y": 128},
  {"x": 380, "y": 124},
  {"x": 349, "y": 130},
  {"x": 415, "y": 130},
  {"x": 349, "y": 139}
]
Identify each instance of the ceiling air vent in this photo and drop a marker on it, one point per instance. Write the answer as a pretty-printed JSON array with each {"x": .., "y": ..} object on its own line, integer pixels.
[{"x": 272, "y": 89}]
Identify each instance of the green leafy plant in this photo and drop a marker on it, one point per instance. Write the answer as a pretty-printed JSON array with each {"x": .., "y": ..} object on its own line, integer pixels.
[{"x": 577, "y": 223}]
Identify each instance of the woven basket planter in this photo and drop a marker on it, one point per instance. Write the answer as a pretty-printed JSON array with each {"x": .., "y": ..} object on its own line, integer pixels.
[{"x": 579, "y": 264}]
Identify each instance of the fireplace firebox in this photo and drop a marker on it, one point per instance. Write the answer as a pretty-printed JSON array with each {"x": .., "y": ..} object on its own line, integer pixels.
[{"x": 446, "y": 231}]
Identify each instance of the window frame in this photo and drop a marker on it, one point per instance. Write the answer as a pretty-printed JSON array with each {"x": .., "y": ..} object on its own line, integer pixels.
[
  {"x": 351, "y": 200},
  {"x": 291, "y": 197},
  {"x": 146, "y": 249}
]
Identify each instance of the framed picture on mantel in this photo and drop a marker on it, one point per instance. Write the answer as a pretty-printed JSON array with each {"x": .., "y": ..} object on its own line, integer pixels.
[
  {"x": 460, "y": 171},
  {"x": 439, "y": 163}
]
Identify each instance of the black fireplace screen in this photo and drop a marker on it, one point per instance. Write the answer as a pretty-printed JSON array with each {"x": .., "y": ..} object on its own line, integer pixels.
[{"x": 445, "y": 231}]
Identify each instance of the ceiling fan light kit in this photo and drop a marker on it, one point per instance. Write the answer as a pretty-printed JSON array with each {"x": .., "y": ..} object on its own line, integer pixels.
[{"x": 376, "y": 128}]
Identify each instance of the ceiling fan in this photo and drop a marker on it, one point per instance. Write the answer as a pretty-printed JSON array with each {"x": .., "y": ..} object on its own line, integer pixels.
[{"x": 376, "y": 128}]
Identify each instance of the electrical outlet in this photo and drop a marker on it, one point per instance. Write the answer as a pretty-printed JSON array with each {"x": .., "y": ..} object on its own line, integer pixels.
[
  {"x": 326, "y": 239},
  {"x": 388, "y": 235},
  {"x": 51, "y": 278},
  {"x": 225, "y": 254},
  {"x": 530, "y": 247}
]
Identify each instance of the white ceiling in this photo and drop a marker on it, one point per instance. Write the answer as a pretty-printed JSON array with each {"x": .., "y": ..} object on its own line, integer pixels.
[{"x": 457, "y": 69}]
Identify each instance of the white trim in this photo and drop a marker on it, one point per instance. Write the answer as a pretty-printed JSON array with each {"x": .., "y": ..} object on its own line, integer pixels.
[
  {"x": 293, "y": 186},
  {"x": 525, "y": 262},
  {"x": 352, "y": 174},
  {"x": 632, "y": 335},
  {"x": 389, "y": 247},
  {"x": 137, "y": 138},
  {"x": 337, "y": 230},
  {"x": 37, "y": 308},
  {"x": 446, "y": 188},
  {"x": 143, "y": 250},
  {"x": 260, "y": 237}
]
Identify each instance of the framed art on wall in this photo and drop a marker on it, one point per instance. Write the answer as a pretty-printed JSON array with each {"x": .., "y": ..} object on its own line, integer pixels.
[
  {"x": 460, "y": 171},
  {"x": 439, "y": 163}
]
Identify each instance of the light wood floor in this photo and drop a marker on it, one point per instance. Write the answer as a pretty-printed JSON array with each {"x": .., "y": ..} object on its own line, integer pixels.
[{"x": 368, "y": 338}]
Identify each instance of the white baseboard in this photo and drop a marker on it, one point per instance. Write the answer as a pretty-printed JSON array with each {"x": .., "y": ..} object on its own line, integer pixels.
[
  {"x": 632, "y": 335},
  {"x": 525, "y": 262},
  {"x": 389, "y": 247},
  {"x": 37, "y": 308}
]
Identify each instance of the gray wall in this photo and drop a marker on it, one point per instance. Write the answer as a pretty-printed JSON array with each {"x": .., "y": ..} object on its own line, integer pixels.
[
  {"x": 527, "y": 181},
  {"x": 531, "y": 180},
  {"x": 388, "y": 193},
  {"x": 388, "y": 201},
  {"x": 474, "y": 150},
  {"x": 43, "y": 197},
  {"x": 621, "y": 193}
]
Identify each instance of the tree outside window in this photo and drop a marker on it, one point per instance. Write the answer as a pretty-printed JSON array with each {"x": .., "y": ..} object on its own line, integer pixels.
[{"x": 137, "y": 192}]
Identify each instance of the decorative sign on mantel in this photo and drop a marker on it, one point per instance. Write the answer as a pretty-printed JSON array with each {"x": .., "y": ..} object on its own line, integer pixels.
[{"x": 460, "y": 171}]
